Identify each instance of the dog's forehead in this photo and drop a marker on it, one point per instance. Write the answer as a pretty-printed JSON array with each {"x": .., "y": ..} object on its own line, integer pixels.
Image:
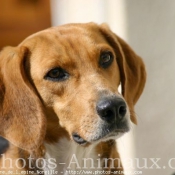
[
  {"x": 67, "y": 43},
  {"x": 83, "y": 33}
]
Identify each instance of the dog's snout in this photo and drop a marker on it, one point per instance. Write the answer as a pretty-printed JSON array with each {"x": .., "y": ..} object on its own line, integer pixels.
[{"x": 111, "y": 109}]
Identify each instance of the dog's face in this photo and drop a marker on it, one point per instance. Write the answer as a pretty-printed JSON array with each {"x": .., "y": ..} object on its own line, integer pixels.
[
  {"x": 78, "y": 77},
  {"x": 75, "y": 71}
]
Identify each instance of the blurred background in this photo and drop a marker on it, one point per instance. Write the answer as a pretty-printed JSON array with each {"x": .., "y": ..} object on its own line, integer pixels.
[{"x": 148, "y": 27}]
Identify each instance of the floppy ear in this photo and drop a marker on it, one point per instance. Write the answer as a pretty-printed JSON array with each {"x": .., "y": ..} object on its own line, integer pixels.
[
  {"x": 132, "y": 69},
  {"x": 22, "y": 119}
]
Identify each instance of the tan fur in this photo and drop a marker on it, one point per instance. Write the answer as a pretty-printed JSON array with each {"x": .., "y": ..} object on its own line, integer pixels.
[{"x": 34, "y": 110}]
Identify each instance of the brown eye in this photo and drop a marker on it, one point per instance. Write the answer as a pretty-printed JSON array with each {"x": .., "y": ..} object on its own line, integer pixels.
[
  {"x": 106, "y": 58},
  {"x": 56, "y": 74}
]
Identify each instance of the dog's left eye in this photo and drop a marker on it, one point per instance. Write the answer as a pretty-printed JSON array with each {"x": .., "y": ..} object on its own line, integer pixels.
[
  {"x": 106, "y": 59},
  {"x": 56, "y": 74}
]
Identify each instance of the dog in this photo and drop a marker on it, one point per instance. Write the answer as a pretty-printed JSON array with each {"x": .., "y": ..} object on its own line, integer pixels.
[{"x": 60, "y": 108}]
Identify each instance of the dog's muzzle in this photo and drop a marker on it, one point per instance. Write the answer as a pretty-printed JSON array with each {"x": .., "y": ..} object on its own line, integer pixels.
[{"x": 112, "y": 111}]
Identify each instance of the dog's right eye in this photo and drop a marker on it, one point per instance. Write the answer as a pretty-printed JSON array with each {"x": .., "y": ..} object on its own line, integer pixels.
[{"x": 56, "y": 74}]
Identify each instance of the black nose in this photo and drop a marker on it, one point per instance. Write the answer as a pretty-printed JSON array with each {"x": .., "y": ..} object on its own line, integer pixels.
[{"x": 111, "y": 109}]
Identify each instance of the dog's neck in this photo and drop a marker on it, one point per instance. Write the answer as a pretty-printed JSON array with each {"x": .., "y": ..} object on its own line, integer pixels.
[{"x": 66, "y": 156}]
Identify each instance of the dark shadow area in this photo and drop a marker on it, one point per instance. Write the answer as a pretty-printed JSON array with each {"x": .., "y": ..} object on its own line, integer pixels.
[{"x": 3, "y": 145}]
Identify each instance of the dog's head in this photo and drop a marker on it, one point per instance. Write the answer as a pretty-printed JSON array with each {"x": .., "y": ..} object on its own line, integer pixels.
[{"x": 65, "y": 80}]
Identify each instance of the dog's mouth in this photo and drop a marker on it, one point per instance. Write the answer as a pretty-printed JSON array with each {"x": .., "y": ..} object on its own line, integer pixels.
[
  {"x": 103, "y": 137},
  {"x": 78, "y": 139}
]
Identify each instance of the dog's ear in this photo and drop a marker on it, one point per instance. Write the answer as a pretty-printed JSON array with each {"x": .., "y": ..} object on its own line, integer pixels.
[
  {"x": 132, "y": 69},
  {"x": 22, "y": 119}
]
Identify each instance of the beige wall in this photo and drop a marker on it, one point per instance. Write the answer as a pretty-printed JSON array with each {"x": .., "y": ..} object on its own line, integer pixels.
[
  {"x": 149, "y": 27},
  {"x": 151, "y": 32}
]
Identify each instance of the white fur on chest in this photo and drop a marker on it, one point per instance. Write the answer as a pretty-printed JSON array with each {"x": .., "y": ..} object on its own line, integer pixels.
[{"x": 67, "y": 156}]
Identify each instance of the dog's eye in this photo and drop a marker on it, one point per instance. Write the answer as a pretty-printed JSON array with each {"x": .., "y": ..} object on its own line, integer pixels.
[
  {"x": 56, "y": 74},
  {"x": 106, "y": 59}
]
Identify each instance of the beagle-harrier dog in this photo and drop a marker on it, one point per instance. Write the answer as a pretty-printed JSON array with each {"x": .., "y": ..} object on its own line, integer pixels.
[{"x": 60, "y": 108}]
